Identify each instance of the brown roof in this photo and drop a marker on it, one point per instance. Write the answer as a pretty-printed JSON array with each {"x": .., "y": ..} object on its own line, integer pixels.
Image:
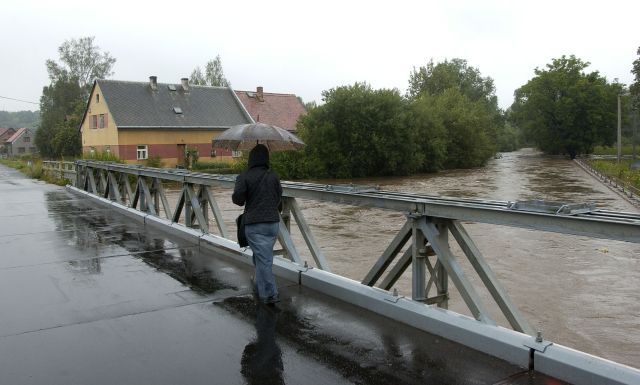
[
  {"x": 282, "y": 110},
  {"x": 6, "y": 133},
  {"x": 16, "y": 135}
]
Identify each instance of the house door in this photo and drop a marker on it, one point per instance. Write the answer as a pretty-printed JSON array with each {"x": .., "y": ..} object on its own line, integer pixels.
[{"x": 182, "y": 151}]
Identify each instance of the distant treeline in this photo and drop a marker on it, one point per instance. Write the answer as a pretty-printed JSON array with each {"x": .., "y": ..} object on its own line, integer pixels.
[
  {"x": 449, "y": 118},
  {"x": 29, "y": 119}
]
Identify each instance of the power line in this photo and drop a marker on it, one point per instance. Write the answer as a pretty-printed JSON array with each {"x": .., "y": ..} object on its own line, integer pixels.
[{"x": 18, "y": 100}]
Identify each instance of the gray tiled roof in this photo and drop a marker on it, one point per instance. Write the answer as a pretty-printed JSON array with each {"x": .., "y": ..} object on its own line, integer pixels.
[{"x": 134, "y": 104}]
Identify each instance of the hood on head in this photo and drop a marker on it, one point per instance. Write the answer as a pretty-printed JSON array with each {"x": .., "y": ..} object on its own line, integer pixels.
[{"x": 259, "y": 156}]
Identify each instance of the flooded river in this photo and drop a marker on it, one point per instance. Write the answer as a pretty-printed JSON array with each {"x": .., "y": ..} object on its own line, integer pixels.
[{"x": 580, "y": 292}]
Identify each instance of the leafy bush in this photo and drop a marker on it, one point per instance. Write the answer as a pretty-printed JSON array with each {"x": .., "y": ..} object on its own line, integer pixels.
[
  {"x": 154, "y": 161},
  {"x": 191, "y": 157}
]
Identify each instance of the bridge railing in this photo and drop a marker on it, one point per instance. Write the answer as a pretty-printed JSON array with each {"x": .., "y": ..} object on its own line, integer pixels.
[{"x": 422, "y": 243}]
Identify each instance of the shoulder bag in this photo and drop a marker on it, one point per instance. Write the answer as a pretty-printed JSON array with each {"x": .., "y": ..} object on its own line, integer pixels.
[{"x": 242, "y": 236}]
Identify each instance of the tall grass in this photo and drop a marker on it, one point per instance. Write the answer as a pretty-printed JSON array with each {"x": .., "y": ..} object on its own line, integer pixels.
[{"x": 620, "y": 170}]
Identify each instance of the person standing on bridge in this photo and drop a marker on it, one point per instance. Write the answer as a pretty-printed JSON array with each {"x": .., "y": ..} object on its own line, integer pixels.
[{"x": 258, "y": 189}]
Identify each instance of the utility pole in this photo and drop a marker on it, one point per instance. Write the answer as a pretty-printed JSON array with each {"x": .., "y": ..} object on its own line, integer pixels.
[
  {"x": 619, "y": 129},
  {"x": 635, "y": 127}
]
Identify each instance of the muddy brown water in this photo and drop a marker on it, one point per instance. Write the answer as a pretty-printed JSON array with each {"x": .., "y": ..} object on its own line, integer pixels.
[{"x": 580, "y": 292}]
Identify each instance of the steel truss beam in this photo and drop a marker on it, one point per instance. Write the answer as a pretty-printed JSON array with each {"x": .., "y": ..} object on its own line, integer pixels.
[
  {"x": 422, "y": 242},
  {"x": 543, "y": 356}
]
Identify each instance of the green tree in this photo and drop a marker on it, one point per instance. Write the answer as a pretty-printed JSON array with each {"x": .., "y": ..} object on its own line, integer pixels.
[
  {"x": 565, "y": 110},
  {"x": 634, "y": 88},
  {"x": 435, "y": 79},
  {"x": 430, "y": 131},
  {"x": 61, "y": 106},
  {"x": 359, "y": 132},
  {"x": 508, "y": 138},
  {"x": 62, "y": 102},
  {"x": 80, "y": 59},
  {"x": 436, "y": 87},
  {"x": 197, "y": 77},
  {"x": 213, "y": 74},
  {"x": 67, "y": 140},
  {"x": 453, "y": 130}
]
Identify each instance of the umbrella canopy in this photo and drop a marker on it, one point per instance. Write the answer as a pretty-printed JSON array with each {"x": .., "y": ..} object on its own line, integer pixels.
[{"x": 246, "y": 136}]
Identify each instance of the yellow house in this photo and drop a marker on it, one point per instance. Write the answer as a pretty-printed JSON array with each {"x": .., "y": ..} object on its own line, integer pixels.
[{"x": 138, "y": 120}]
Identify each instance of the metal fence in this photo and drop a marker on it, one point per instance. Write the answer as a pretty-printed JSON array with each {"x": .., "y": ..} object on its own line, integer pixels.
[{"x": 621, "y": 187}]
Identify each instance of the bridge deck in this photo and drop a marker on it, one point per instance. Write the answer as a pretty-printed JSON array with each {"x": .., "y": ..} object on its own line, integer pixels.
[{"x": 88, "y": 298}]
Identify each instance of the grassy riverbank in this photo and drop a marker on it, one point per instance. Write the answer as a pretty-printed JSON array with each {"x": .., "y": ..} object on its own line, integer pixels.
[
  {"x": 32, "y": 167},
  {"x": 626, "y": 149},
  {"x": 621, "y": 170}
]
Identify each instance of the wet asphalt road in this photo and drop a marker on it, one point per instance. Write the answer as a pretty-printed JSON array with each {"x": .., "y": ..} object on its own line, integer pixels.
[{"x": 89, "y": 298}]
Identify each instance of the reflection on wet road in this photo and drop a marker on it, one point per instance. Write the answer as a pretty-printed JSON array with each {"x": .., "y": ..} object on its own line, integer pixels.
[{"x": 262, "y": 358}]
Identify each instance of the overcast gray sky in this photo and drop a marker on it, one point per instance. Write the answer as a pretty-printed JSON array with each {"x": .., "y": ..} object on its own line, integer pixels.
[{"x": 305, "y": 47}]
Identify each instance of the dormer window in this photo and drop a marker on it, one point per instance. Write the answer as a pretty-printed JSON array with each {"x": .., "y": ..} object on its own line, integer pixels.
[{"x": 177, "y": 110}]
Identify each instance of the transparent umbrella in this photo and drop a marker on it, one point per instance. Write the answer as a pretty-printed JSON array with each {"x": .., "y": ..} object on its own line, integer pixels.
[{"x": 246, "y": 136}]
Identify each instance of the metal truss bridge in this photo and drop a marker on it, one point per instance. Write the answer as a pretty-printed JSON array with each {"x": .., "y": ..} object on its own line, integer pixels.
[{"x": 422, "y": 243}]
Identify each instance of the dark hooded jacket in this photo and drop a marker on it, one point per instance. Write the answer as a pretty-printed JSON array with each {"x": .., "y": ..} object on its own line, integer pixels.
[{"x": 261, "y": 197}]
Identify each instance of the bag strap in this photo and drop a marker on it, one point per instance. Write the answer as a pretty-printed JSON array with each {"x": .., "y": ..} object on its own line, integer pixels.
[{"x": 262, "y": 179}]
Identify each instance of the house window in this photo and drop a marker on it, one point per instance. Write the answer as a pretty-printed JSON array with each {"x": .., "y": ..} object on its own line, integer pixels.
[
  {"x": 142, "y": 153},
  {"x": 26, "y": 139},
  {"x": 97, "y": 98},
  {"x": 94, "y": 121},
  {"x": 32, "y": 149},
  {"x": 107, "y": 149},
  {"x": 92, "y": 151},
  {"x": 21, "y": 150},
  {"x": 236, "y": 154},
  {"x": 102, "y": 121}
]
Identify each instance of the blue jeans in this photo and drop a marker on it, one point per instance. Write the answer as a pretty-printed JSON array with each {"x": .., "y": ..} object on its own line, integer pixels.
[{"x": 261, "y": 238}]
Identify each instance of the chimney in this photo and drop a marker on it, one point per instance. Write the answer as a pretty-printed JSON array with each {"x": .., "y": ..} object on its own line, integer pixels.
[
  {"x": 185, "y": 84},
  {"x": 260, "y": 94},
  {"x": 153, "y": 82}
]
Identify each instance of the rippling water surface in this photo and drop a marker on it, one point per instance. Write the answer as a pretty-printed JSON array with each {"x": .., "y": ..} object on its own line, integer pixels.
[{"x": 580, "y": 292}]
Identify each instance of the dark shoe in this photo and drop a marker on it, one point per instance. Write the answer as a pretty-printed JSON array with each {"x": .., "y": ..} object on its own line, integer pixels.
[{"x": 272, "y": 300}]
